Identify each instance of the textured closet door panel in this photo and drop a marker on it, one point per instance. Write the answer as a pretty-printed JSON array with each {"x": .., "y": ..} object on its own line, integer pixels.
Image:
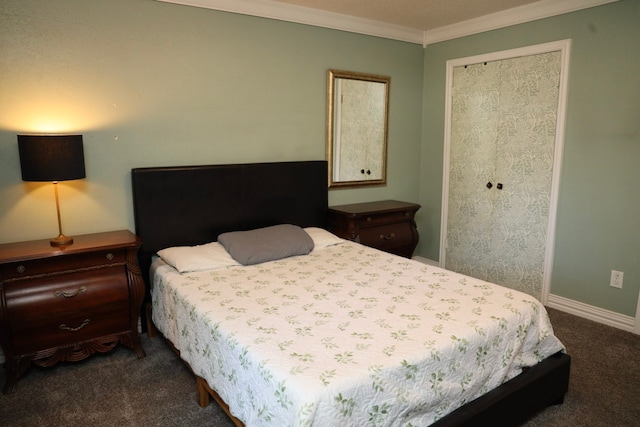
[
  {"x": 503, "y": 132},
  {"x": 472, "y": 166}
]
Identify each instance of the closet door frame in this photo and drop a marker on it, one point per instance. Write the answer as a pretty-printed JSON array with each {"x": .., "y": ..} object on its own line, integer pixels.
[{"x": 563, "y": 46}]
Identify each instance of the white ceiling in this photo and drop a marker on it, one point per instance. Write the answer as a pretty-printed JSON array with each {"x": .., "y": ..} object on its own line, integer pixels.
[
  {"x": 415, "y": 21},
  {"x": 418, "y": 14}
]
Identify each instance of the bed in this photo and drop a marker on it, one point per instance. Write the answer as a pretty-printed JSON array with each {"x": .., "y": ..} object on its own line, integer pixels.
[{"x": 349, "y": 362}]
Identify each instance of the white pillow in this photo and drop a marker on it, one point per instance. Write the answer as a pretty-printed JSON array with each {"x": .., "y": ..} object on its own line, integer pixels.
[
  {"x": 322, "y": 238},
  {"x": 197, "y": 258}
]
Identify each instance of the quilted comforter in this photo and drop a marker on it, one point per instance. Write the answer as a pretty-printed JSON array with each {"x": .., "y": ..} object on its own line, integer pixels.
[{"x": 348, "y": 336}]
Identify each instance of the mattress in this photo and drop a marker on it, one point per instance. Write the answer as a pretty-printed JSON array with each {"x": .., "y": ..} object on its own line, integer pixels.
[{"x": 347, "y": 336}]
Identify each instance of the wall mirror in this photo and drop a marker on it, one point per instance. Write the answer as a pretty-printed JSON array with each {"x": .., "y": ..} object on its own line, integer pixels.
[{"x": 357, "y": 128}]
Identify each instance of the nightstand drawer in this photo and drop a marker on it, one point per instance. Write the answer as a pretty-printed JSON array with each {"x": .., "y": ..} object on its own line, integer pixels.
[
  {"x": 385, "y": 218},
  {"x": 44, "y": 333},
  {"x": 65, "y": 293},
  {"x": 35, "y": 267},
  {"x": 387, "y": 236}
]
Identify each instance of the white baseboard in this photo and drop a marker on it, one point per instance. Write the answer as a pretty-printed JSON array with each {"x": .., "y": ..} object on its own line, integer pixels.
[
  {"x": 637, "y": 329},
  {"x": 600, "y": 315},
  {"x": 426, "y": 261}
]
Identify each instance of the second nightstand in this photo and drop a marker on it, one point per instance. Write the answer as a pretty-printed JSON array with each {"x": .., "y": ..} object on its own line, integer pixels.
[
  {"x": 66, "y": 303},
  {"x": 388, "y": 225}
]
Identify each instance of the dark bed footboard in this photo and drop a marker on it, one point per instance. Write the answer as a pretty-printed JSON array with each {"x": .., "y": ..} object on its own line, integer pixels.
[{"x": 518, "y": 399}]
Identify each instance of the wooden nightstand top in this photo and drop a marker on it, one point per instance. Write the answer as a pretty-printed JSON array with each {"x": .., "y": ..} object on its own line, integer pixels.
[
  {"x": 35, "y": 249},
  {"x": 378, "y": 206}
]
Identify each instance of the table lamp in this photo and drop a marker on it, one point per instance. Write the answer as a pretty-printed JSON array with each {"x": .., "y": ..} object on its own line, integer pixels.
[{"x": 52, "y": 158}]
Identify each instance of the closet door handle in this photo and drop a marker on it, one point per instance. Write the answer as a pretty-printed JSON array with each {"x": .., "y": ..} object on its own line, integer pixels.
[
  {"x": 499, "y": 186},
  {"x": 489, "y": 185}
]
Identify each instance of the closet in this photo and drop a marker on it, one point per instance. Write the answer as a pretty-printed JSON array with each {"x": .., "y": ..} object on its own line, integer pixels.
[{"x": 501, "y": 161}]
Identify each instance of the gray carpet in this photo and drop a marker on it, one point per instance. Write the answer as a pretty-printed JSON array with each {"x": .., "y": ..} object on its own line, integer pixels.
[
  {"x": 113, "y": 389},
  {"x": 605, "y": 376},
  {"x": 119, "y": 390}
]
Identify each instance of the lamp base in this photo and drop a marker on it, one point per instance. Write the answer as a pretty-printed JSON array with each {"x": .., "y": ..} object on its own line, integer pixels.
[{"x": 61, "y": 240}]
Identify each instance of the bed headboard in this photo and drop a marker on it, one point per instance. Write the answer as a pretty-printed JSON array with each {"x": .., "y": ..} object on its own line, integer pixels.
[{"x": 191, "y": 205}]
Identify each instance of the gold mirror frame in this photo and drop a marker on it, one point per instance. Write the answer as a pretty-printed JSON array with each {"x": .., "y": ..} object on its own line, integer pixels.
[{"x": 357, "y": 128}]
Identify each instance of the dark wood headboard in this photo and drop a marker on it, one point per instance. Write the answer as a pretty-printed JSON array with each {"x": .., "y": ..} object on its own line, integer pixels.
[{"x": 191, "y": 205}]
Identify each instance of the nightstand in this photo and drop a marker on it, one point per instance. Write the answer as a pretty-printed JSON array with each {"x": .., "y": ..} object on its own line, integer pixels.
[
  {"x": 388, "y": 225},
  {"x": 66, "y": 303}
]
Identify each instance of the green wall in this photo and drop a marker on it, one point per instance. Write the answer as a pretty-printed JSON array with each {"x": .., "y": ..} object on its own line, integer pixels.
[
  {"x": 152, "y": 84},
  {"x": 598, "y": 221},
  {"x": 149, "y": 83}
]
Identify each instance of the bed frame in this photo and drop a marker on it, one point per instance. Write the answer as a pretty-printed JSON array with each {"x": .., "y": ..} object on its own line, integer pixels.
[{"x": 190, "y": 205}]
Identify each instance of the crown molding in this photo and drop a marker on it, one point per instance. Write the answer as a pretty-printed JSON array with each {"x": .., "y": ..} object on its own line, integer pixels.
[
  {"x": 304, "y": 15},
  {"x": 320, "y": 18},
  {"x": 517, "y": 15}
]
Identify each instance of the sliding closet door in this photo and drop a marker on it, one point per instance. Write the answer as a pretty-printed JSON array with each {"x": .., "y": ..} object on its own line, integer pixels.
[{"x": 501, "y": 158}]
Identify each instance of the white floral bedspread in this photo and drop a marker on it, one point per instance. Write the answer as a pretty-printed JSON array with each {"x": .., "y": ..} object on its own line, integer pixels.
[{"x": 348, "y": 336}]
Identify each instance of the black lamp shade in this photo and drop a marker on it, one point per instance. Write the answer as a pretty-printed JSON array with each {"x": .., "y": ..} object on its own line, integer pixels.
[{"x": 51, "y": 157}]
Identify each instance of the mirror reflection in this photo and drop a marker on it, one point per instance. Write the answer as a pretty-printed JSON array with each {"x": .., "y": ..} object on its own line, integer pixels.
[{"x": 357, "y": 128}]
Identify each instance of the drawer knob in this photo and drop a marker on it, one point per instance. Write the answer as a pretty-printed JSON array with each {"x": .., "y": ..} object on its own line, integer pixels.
[
  {"x": 70, "y": 329},
  {"x": 21, "y": 269},
  {"x": 387, "y": 237},
  {"x": 109, "y": 256},
  {"x": 70, "y": 294}
]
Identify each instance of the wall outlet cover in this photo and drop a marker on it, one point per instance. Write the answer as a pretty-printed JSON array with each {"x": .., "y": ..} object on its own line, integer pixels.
[{"x": 616, "y": 279}]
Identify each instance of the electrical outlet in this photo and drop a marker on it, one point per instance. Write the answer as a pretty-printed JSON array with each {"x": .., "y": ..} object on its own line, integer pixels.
[{"x": 616, "y": 279}]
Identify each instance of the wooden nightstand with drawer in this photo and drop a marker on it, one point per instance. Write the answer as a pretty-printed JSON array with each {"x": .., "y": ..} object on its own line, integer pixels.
[
  {"x": 388, "y": 225},
  {"x": 66, "y": 303}
]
